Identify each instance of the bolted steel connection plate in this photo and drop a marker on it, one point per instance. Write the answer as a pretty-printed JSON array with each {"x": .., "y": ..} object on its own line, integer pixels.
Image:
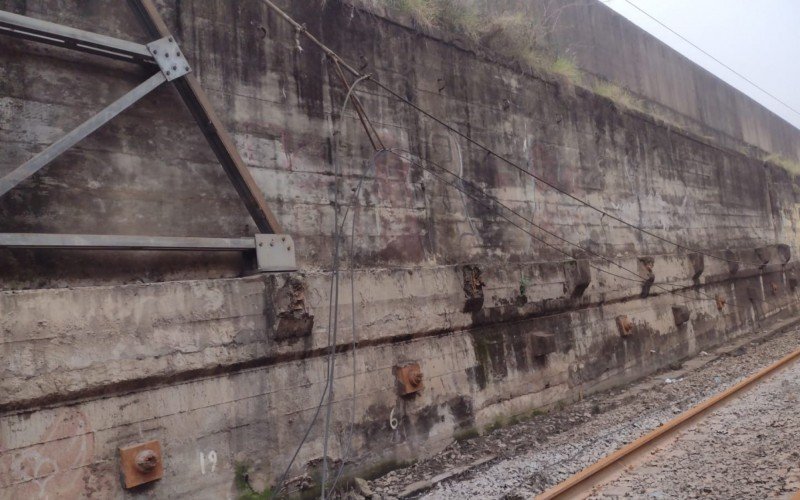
[{"x": 169, "y": 58}]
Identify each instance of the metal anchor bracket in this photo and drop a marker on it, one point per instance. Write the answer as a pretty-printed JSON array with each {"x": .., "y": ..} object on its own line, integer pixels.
[{"x": 169, "y": 58}]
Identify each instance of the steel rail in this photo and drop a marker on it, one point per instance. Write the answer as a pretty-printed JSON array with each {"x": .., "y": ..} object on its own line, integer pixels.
[
  {"x": 63, "y": 36},
  {"x": 582, "y": 484}
]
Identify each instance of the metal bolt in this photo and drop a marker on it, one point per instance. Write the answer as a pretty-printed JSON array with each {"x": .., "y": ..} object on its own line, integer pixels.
[
  {"x": 186, "y": 68},
  {"x": 166, "y": 55},
  {"x": 155, "y": 51},
  {"x": 171, "y": 40},
  {"x": 415, "y": 378},
  {"x": 175, "y": 68},
  {"x": 272, "y": 243},
  {"x": 177, "y": 54},
  {"x": 283, "y": 239},
  {"x": 146, "y": 461},
  {"x": 168, "y": 73},
  {"x": 288, "y": 248},
  {"x": 261, "y": 244}
]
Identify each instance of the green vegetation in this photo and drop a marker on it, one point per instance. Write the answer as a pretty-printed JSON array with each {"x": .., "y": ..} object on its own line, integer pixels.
[
  {"x": 567, "y": 68},
  {"x": 790, "y": 166},
  {"x": 466, "y": 435},
  {"x": 515, "y": 36},
  {"x": 521, "y": 39},
  {"x": 523, "y": 285},
  {"x": 246, "y": 492},
  {"x": 619, "y": 95}
]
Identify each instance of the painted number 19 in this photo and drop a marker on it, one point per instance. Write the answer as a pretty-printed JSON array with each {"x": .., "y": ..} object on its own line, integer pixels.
[{"x": 208, "y": 460}]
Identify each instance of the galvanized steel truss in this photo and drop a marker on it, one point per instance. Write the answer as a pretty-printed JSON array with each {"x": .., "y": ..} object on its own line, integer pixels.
[{"x": 164, "y": 56}]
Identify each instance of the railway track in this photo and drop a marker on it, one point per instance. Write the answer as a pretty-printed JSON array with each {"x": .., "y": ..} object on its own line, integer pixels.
[{"x": 591, "y": 479}]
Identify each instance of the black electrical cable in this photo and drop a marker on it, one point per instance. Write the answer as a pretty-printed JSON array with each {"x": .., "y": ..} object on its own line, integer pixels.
[
  {"x": 330, "y": 53},
  {"x": 483, "y": 194},
  {"x": 751, "y": 82},
  {"x": 478, "y": 199},
  {"x": 541, "y": 179},
  {"x": 354, "y": 204},
  {"x": 332, "y": 316},
  {"x": 361, "y": 77}
]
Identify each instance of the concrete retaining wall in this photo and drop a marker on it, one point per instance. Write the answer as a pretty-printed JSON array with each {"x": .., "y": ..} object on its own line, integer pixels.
[
  {"x": 108, "y": 349},
  {"x": 605, "y": 44}
]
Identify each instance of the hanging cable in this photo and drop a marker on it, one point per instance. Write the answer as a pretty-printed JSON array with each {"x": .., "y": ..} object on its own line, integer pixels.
[
  {"x": 380, "y": 148},
  {"x": 371, "y": 167},
  {"x": 332, "y": 316},
  {"x": 332, "y": 352},
  {"x": 330, "y": 53},
  {"x": 484, "y": 195},
  {"x": 751, "y": 82},
  {"x": 479, "y": 199}
]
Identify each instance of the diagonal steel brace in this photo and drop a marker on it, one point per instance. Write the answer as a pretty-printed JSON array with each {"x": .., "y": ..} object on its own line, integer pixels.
[
  {"x": 30, "y": 167},
  {"x": 217, "y": 136},
  {"x": 187, "y": 85}
]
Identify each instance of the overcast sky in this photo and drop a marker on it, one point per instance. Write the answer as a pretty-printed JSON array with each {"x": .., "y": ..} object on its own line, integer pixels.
[{"x": 758, "y": 38}]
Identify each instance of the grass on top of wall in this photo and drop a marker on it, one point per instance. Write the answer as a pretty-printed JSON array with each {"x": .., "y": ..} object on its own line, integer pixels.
[
  {"x": 523, "y": 38},
  {"x": 791, "y": 166},
  {"x": 515, "y": 36}
]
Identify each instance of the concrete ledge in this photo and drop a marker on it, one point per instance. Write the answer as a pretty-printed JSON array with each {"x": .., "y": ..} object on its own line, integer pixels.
[{"x": 70, "y": 344}]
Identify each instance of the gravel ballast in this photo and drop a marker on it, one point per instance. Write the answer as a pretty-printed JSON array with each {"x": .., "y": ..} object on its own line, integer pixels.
[{"x": 521, "y": 460}]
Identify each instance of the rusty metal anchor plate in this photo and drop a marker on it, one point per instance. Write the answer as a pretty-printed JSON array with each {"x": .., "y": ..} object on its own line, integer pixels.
[
  {"x": 409, "y": 378},
  {"x": 141, "y": 463}
]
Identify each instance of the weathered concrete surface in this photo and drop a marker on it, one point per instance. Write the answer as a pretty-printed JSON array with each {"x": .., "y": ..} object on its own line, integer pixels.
[
  {"x": 195, "y": 365},
  {"x": 149, "y": 171},
  {"x": 606, "y": 44},
  {"x": 225, "y": 365}
]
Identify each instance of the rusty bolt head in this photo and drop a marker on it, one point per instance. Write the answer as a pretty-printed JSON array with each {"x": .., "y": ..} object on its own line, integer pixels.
[
  {"x": 625, "y": 325},
  {"x": 146, "y": 460},
  {"x": 774, "y": 288},
  {"x": 721, "y": 302},
  {"x": 415, "y": 377},
  {"x": 410, "y": 378}
]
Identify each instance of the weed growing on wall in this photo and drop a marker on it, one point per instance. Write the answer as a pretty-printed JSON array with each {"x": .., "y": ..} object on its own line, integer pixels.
[
  {"x": 245, "y": 490},
  {"x": 567, "y": 68},
  {"x": 619, "y": 95},
  {"x": 790, "y": 166},
  {"x": 522, "y": 38}
]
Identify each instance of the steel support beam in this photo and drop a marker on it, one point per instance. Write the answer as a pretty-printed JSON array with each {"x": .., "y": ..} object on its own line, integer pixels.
[
  {"x": 217, "y": 136},
  {"x": 114, "y": 242},
  {"x": 30, "y": 167},
  {"x": 188, "y": 87},
  {"x": 274, "y": 252},
  {"x": 63, "y": 36}
]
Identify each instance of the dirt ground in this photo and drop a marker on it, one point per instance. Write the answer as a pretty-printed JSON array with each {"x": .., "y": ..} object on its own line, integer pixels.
[{"x": 523, "y": 459}]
